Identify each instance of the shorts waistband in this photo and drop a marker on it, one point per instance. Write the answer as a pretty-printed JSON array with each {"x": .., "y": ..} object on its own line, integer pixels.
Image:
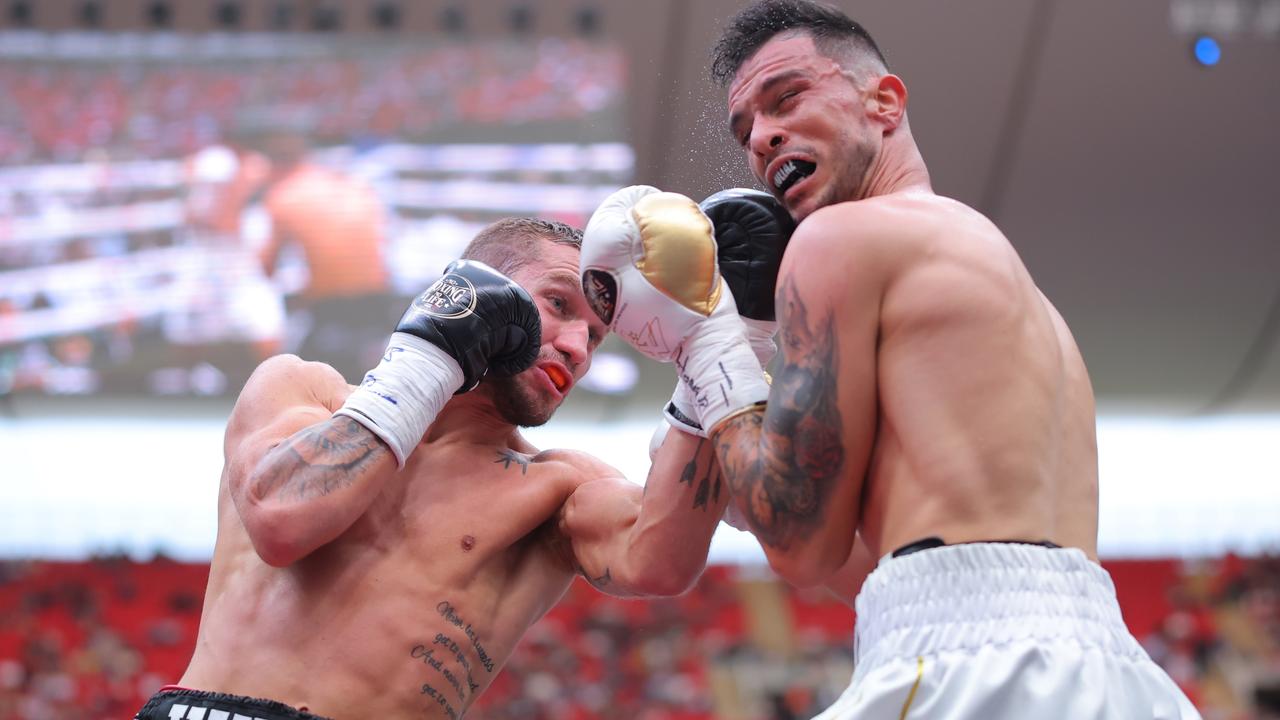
[
  {"x": 933, "y": 542},
  {"x": 175, "y": 703},
  {"x": 963, "y": 597}
]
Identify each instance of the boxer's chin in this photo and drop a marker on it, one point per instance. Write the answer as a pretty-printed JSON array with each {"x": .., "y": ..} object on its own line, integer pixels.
[{"x": 518, "y": 403}]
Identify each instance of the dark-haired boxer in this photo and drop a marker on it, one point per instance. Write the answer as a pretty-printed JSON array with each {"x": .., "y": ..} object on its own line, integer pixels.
[{"x": 930, "y": 409}]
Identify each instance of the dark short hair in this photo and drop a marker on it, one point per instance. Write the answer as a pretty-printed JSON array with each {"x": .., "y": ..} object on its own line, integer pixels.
[
  {"x": 511, "y": 243},
  {"x": 833, "y": 32}
]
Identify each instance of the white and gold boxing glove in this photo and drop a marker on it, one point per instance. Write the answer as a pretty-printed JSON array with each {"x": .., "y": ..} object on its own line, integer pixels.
[{"x": 649, "y": 271}]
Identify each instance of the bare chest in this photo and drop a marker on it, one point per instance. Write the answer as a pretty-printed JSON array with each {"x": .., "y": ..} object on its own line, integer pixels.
[{"x": 481, "y": 502}]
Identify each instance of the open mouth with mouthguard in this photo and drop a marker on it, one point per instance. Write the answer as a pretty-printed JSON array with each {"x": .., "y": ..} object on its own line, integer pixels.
[
  {"x": 558, "y": 376},
  {"x": 789, "y": 173}
]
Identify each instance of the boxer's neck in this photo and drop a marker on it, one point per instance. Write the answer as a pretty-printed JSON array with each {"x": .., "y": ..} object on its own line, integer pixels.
[
  {"x": 899, "y": 167},
  {"x": 470, "y": 419}
]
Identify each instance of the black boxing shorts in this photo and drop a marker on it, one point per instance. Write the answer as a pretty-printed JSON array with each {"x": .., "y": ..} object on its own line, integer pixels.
[{"x": 175, "y": 703}]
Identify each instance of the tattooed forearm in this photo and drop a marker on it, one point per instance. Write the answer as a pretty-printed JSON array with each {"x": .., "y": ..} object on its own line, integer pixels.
[
  {"x": 703, "y": 463},
  {"x": 782, "y": 463},
  {"x": 690, "y": 470},
  {"x": 320, "y": 459}
]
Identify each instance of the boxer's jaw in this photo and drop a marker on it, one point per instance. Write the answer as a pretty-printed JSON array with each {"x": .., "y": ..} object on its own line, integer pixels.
[
  {"x": 530, "y": 398},
  {"x": 840, "y": 177},
  {"x": 570, "y": 334}
]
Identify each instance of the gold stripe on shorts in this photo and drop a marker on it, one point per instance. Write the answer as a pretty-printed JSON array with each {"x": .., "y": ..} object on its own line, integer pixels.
[{"x": 911, "y": 696}]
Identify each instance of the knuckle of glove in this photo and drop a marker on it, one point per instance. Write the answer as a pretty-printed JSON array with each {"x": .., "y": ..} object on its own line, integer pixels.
[
  {"x": 649, "y": 268},
  {"x": 520, "y": 338},
  {"x": 752, "y": 231},
  {"x": 480, "y": 317}
]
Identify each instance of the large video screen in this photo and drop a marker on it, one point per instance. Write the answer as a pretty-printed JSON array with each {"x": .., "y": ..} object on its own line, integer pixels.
[{"x": 174, "y": 209}]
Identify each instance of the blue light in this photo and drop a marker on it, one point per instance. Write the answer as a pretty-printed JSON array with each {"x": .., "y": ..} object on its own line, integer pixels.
[{"x": 1207, "y": 51}]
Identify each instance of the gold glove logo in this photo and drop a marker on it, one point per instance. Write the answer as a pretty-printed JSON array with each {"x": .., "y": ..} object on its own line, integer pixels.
[
  {"x": 602, "y": 294},
  {"x": 452, "y": 296}
]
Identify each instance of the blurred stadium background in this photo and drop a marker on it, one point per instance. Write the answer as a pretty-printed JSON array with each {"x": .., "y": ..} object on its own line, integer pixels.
[{"x": 188, "y": 187}]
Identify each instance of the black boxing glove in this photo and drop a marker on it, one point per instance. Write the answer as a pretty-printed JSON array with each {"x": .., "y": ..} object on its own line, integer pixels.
[
  {"x": 752, "y": 231},
  {"x": 471, "y": 321},
  {"x": 482, "y": 318}
]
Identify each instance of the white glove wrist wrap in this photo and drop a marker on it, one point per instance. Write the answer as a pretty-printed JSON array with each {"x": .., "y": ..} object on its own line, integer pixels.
[
  {"x": 682, "y": 411},
  {"x": 400, "y": 398},
  {"x": 719, "y": 367}
]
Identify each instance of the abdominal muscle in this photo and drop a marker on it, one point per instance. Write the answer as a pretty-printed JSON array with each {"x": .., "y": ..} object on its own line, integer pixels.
[
  {"x": 373, "y": 625},
  {"x": 390, "y": 646}
]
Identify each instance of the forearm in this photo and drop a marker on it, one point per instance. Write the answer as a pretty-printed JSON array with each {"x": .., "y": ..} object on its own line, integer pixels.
[
  {"x": 782, "y": 468},
  {"x": 634, "y": 542},
  {"x": 683, "y": 502},
  {"x": 311, "y": 487},
  {"x": 795, "y": 470}
]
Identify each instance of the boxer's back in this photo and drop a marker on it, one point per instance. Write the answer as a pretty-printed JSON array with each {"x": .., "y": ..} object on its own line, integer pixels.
[
  {"x": 339, "y": 222},
  {"x": 986, "y": 414},
  {"x": 411, "y": 611}
]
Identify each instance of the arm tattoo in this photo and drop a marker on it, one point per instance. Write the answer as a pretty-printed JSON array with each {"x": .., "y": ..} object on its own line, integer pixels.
[
  {"x": 785, "y": 461},
  {"x": 708, "y": 487},
  {"x": 320, "y": 459},
  {"x": 690, "y": 470},
  {"x": 506, "y": 457}
]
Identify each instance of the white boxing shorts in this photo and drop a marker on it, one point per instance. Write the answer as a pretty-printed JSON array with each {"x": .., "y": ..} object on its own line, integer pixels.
[{"x": 995, "y": 631}]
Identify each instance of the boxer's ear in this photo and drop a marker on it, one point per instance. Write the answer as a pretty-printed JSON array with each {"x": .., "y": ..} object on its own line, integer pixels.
[{"x": 887, "y": 102}]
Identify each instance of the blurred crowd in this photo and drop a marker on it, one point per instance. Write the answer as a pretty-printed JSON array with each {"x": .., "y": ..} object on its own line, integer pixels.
[
  {"x": 90, "y": 640},
  {"x": 1220, "y": 636},
  {"x": 94, "y": 639},
  {"x": 71, "y": 111}
]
